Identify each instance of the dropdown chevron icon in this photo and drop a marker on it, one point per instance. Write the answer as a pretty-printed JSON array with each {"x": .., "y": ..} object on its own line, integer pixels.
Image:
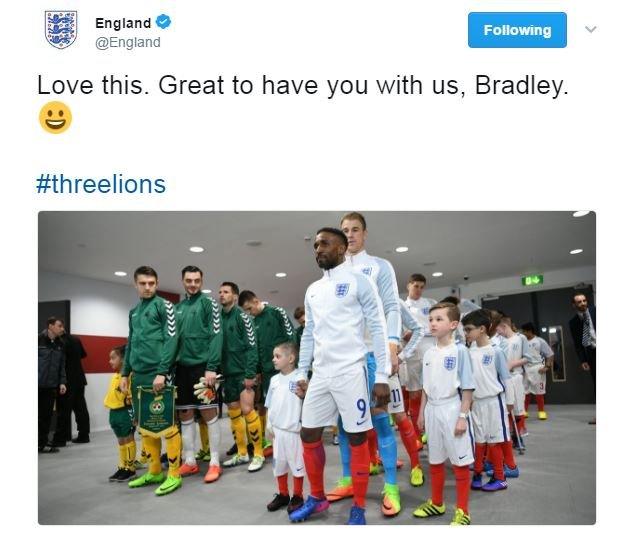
[{"x": 591, "y": 29}]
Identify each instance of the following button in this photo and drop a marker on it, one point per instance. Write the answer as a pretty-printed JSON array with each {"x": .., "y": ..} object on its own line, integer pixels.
[{"x": 517, "y": 30}]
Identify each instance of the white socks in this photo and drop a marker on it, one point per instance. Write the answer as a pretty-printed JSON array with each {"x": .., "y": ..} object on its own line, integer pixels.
[
  {"x": 188, "y": 432},
  {"x": 213, "y": 428}
]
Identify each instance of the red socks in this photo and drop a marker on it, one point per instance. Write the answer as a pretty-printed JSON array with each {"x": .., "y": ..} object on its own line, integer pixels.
[
  {"x": 408, "y": 436},
  {"x": 282, "y": 484},
  {"x": 315, "y": 461},
  {"x": 373, "y": 445},
  {"x": 437, "y": 475},
  {"x": 507, "y": 454},
  {"x": 298, "y": 486},
  {"x": 497, "y": 459},
  {"x": 359, "y": 469},
  {"x": 462, "y": 487},
  {"x": 521, "y": 423},
  {"x": 478, "y": 464},
  {"x": 540, "y": 402},
  {"x": 414, "y": 411}
]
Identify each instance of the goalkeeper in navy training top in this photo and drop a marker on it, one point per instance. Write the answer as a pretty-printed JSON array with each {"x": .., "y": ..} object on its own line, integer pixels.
[{"x": 199, "y": 353}]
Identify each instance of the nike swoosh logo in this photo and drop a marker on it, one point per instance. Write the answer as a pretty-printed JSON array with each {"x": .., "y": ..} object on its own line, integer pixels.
[
  {"x": 299, "y": 468},
  {"x": 460, "y": 457},
  {"x": 359, "y": 423}
]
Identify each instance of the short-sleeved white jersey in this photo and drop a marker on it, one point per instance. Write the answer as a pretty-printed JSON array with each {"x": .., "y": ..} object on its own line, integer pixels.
[
  {"x": 285, "y": 407},
  {"x": 517, "y": 349},
  {"x": 489, "y": 370},
  {"x": 500, "y": 342},
  {"x": 420, "y": 310},
  {"x": 540, "y": 349},
  {"x": 445, "y": 370}
]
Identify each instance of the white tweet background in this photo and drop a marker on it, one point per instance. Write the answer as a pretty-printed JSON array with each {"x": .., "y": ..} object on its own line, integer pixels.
[{"x": 229, "y": 152}]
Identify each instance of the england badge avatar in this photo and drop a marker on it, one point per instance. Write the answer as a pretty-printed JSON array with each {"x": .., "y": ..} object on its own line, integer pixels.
[{"x": 60, "y": 28}]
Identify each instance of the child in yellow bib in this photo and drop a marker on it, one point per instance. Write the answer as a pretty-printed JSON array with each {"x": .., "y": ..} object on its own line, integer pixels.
[{"x": 121, "y": 419}]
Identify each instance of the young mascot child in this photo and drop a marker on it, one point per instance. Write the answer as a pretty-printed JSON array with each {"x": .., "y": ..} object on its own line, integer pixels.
[
  {"x": 283, "y": 423},
  {"x": 540, "y": 362},
  {"x": 121, "y": 419},
  {"x": 511, "y": 470},
  {"x": 447, "y": 395},
  {"x": 517, "y": 356},
  {"x": 488, "y": 413}
]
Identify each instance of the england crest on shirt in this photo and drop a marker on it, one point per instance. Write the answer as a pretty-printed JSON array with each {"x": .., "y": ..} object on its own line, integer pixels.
[
  {"x": 367, "y": 271},
  {"x": 341, "y": 289},
  {"x": 450, "y": 362},
  {"x": 60, "y": 28},
  {"x": 487, "y": 359}
]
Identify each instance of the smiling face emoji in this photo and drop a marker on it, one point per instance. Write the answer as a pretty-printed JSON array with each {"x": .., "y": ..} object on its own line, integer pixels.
[{"x": 55, "y": 117}]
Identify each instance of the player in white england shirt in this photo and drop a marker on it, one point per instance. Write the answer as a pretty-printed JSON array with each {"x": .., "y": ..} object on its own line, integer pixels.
[
  {"x": 405, "y": 425},
  {"x": 488, "y": 412},
  {"x": 339, "y": 307},
  {"x": 419, "y": 306},
  {"x": 447, "y": 395},
  {"x": 518, "y": 354},
  {"x": 536, "y": 369},
  {"x": 382, "y": 274},
  {"x": 511, "y": 470}
]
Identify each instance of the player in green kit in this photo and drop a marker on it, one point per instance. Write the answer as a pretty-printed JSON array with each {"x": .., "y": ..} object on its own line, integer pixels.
[
  {"x": 272, "y": 327},
  {"x": 199, "y": 353},
  {"x": 149, "y": 358},
  {"x": 239, "y": 367}
]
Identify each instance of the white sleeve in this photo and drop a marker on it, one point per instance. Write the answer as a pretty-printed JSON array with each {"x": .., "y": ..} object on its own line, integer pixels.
[
  {"x": 544, "y": 348},
  {"x": 388, "y": 291},
  {"x": 375, "y": 322},
  {"x": 410, "y": 323},
  {"x": 307, "y": 343}
]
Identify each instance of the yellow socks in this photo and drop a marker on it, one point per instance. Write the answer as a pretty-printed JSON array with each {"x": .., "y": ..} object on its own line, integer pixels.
[
  {"x": 204, "y": 435},
  {"x": 239, "y": 430},
  {"x": 152, "y": 447},
  {"x": 127, "y": 454},
  {"x": 255, "y": 432},
  {"x": 143, "y": 457},
  {"x": 263, "y": 427},
  {"x": 122, "y": 457},
  {"x": 173, "y": 446}
]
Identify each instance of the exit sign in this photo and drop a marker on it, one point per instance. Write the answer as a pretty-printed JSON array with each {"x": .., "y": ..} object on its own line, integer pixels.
[{"x": 530, "y": 280}]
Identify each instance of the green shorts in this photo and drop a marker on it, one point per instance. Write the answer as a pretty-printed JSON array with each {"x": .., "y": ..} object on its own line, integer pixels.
[
  {"x": 121, "y": 421},
  {"x": 232, "y": 386}
]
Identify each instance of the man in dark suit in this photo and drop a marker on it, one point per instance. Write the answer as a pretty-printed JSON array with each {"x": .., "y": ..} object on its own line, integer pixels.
[
  {"x": 584, "y": 335},
  {"x": 74, "y": 401}
]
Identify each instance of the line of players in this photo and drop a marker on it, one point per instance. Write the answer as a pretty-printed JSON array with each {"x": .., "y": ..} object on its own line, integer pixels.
[
  {"x": 442, "y": 441},
  {"x": 202, "y": 352}
]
